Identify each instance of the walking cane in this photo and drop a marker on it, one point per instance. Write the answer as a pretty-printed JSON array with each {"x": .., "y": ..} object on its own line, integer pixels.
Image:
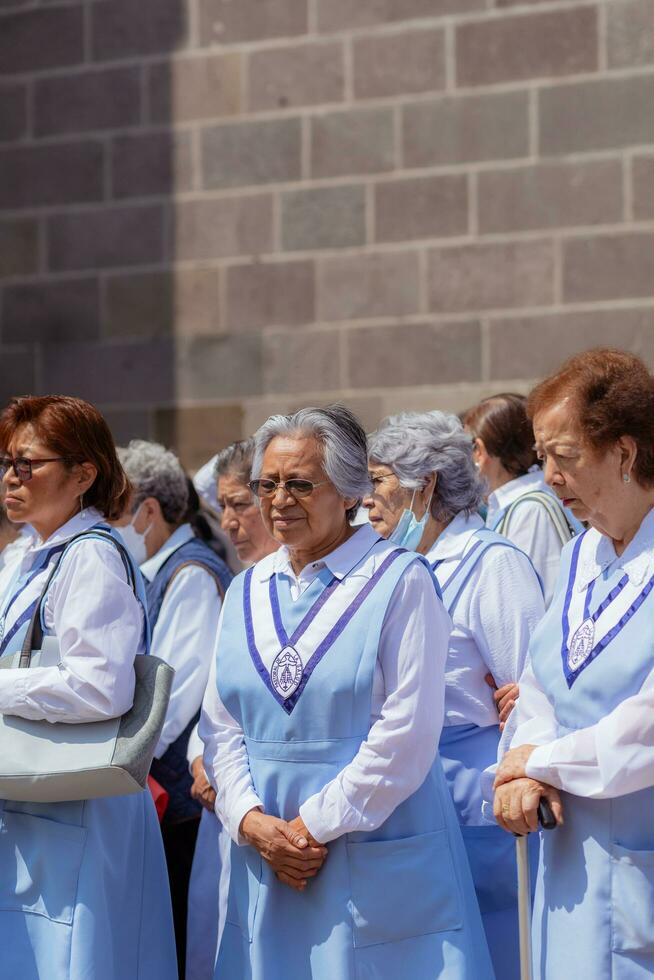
[{"x": 548, "y": 822}]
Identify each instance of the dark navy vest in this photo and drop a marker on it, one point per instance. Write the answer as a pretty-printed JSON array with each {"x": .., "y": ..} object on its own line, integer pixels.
[{"x": 171, "y": 770}]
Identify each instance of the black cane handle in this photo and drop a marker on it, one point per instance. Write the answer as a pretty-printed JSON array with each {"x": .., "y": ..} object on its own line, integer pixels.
[{"x": 546, "y": 817}]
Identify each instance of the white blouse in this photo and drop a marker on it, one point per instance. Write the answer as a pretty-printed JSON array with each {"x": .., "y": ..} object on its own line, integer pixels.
[
  {"x": 406, "y": 717},
  {"x": 93, "y": 611}
]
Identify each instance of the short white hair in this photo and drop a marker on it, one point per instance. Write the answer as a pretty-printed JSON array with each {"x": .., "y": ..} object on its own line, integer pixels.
[
  {"x": 341, "y": 437},
  {"x": 154, "y": 471},
  {"x": 417, "y": 444}
]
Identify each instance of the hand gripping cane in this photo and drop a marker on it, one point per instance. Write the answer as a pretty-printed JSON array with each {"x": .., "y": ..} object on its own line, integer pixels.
[{"x": 547, "y": 821}]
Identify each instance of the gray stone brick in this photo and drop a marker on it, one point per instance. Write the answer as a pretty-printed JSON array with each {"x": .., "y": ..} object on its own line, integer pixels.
[
  {"x": 301, "y": 74},
  {"x": 124, "y": 29},
  {"x": 144, "y": 164},
  {"x": 269, "y": 294},
  {"x": 226, "y": 22},
  {"x": 299, "y": 361},
  {"x": 44, "y": 175},
  {"x": 498, "y": 275},
  {"x": 18, "y": 373},
  {"x": 597, "y": 115},
  {"x": 222, "y": 228},
  {"x": 113, "y": 374},
  {"x": 395, "y": 64},
  {"x": 105, "y": 238},
  {"x": 195, "y": 432},
  {"x": 643, "y": 176},
  {"x": 19, "y": 248},
  {"x": 51, "y": 311},
  {"x": 129, "y": 423},
  {"x": 13, "y": 110},
  {"x": 550, "y": 195},
  {"x": 251, "y": 153},
  {"x": 355, "y": 142},
  {"x": 338, "y": 15},
  {"x": 608, "y": 267},
  {"x": 324, "y": 217},
  {"x": 151, "y": 304},
  {"x": 195, "y": 88},
  {"x": 531, "y": 347},
  {"x": 352, "y": 287},
  {"x": 538, "y": 45},
  {"x": 414, "y": 354},
  {"x": 630, "y": 33},
  {"x": 462, "y": 129},
  {"x": 227, "y": 367},
  {"x": 421, "y": 207},
  {"x": 34, "y": 40},
  {"x": 86, "y": 101}
]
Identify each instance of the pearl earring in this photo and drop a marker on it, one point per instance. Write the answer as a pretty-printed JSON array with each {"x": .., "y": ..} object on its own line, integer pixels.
[{"x": 626, "y": 478}]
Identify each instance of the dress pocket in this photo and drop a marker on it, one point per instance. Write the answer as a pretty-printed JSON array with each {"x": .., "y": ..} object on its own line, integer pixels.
[
  {"x": 403, "y": 888},
  {"x": 632, "y": 899},
  {"x": 40, "y": 862}
]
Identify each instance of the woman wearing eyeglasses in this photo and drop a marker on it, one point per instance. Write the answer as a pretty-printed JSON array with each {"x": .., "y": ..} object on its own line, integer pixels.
[
  {"x": 321, "y": 737},
  {"x": 83, "y": 885}
]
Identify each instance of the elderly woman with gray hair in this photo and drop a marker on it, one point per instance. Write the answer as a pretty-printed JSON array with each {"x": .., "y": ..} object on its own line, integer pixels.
[
  {"x": 321, "y": 737},
  {"x": 185, "y": 584},
  {"x": 425, "y": 495}
]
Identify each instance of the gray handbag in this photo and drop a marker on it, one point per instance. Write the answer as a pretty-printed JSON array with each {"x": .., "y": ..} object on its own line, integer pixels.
[{"x": 50, "y": 762}]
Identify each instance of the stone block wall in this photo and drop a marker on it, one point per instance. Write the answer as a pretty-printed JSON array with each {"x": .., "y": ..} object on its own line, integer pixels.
[{"x": 211, "y": 210}]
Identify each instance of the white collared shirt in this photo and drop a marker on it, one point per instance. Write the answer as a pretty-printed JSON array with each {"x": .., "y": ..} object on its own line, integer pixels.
[
  {"x": 494, "y": 617},
  {"x": 184, "y": 634},
  {"x": 615, "y": 756},
  {"x": 406, "y": 715},
  {"x": 530, "y": 527},
  {"x": 92, "y": 610}
]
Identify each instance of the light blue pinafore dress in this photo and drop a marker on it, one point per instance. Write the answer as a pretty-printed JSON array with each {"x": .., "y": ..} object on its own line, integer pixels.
[
  {"x": 594, "y": 906},
  {"x": 466, "y": 751},
  {"x": 83, "y": 885},
  {"x": 395, "y": 902}
]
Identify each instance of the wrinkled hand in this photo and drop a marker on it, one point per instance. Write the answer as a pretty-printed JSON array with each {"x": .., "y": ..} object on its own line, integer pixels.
[
  {"x": 516, "y": 805},
  {"x": 299, "y": 826},
  {"x": 504, "y": 697},
  {"x": 202, "y": 790},
  {"x": 293, "y": 859},
  {"x": 513, "y": 765}
]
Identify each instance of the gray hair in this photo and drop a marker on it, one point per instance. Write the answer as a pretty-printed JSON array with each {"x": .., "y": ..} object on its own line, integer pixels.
[
  {"x": 154, "y": 471},
  {"x": 416, "y": 444},
  {"x": 236, "y": 459},
  {"x": 343, "y": 441}
]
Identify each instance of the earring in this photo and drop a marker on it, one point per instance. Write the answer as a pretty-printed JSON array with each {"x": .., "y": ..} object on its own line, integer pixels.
[
  {"x": 626, "y": 478},
  {"x": 81, "y": 504}
]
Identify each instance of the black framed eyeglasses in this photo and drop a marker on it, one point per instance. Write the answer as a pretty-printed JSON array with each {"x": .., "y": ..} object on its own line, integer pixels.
[
  {"x": 296, "y": 488},
  {"x": 22, "y": 466}
]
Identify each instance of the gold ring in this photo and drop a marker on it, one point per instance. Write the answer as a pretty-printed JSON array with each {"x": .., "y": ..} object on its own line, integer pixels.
[{"x": 505, "y": 810}]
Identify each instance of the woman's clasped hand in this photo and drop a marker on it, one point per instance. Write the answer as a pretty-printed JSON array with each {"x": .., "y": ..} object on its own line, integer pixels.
[
  {"x": 517, "y": 796},
  {"x": 288, "y": 848}
]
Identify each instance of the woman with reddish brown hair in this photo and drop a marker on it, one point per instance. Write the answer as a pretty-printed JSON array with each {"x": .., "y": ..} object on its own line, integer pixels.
[
  {"x": 83, "y": 884},
  {"x": 520, "y": 506},
  {"x": 585, "y": 717}
]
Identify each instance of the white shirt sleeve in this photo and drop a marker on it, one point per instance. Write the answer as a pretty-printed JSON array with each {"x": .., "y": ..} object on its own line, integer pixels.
[
  {"x": 226, "y": 760},
  {"x": 532, "y": 530},
  {"x": 100, "y": 630},
  {"x": 183, "y": 636},
  {"x": 611, "y": 758},
  {"x": 195, "y": 745},
  {"x": 395, "y": 758}
]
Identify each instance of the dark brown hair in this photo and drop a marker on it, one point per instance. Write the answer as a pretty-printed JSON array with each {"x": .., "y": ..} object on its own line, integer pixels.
[
  {"x": 76, "y": 431},
  {"x": 611, "y": 395},
  {"x": 502, "y": 424}
]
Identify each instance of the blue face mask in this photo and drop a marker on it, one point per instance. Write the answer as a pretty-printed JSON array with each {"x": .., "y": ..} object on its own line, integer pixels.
[{"x": 409, "y": 530}]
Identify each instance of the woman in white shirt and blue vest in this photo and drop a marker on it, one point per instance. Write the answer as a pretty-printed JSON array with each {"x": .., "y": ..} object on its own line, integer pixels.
[
  {"x": 321, "y": 737},
  {"x": 585, "y": 718},
  {"x": 83, "y": 886},
  {"x": 425, "y": 495}
]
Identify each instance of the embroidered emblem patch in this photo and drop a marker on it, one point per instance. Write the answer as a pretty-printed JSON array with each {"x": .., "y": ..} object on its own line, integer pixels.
[
  {"x": 581, "y": 645},
  {"x": 286, "y": 672}
]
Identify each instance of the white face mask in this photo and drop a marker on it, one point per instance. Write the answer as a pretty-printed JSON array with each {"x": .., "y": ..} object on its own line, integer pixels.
[
  {"x": 135, "y": 540},
  {"x": 409, "y": 530}
]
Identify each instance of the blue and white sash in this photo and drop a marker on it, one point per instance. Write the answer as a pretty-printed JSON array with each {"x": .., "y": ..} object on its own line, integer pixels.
[
  {"x": 285, "y": 663},
  {"x": 479, "y": 543},
  {"x": 18, "y": 608},
  {"x": 585, "y": 633}
]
